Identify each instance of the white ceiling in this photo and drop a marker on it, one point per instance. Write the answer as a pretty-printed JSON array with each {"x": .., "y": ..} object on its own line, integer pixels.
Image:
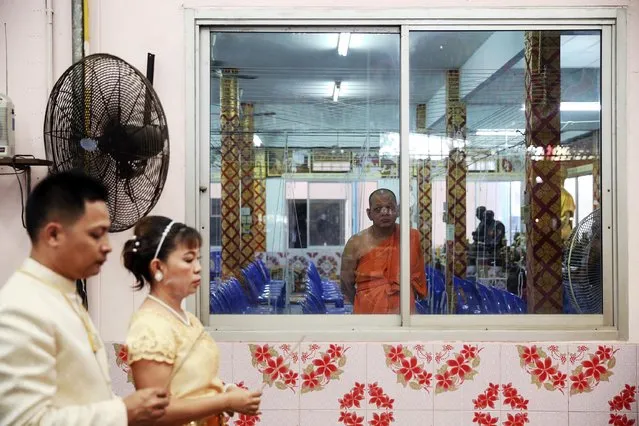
[{"x": 295, "y": 74}]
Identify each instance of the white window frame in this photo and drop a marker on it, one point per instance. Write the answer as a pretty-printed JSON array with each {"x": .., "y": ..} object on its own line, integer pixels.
[{"x": 612, "y": 325}]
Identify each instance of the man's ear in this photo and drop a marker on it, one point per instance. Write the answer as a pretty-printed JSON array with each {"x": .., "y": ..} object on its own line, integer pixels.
[
  {"x": 52, "y": 234},
  {"x": 368, "y": 213}
]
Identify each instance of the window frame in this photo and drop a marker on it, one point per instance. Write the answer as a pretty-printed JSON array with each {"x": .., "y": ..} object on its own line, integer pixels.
[{"x": 612, "y": 325}]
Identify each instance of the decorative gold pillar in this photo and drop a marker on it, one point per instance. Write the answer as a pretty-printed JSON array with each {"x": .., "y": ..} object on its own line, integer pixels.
[
  {"x": 456, "y": 245},
  {"x": 230, "y": 174},
  {"x": 420, "y": 118},
  {"x": 259, "y": 202},
  {"x": 596, "y": 171},
  {"x": 596, "y": 183},
  {"x": 543, "y": 174},
  {"x": 425, "y": 210},
  {"x": 246, "y": 191},
  {"x": 425, "y": 197}
]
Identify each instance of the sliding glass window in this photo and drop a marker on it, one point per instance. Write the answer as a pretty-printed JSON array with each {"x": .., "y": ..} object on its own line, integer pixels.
[{"x": 505, "y": 144}]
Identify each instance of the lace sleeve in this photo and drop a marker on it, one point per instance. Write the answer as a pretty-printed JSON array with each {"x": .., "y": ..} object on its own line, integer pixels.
[{"x": 151, "y": 337}]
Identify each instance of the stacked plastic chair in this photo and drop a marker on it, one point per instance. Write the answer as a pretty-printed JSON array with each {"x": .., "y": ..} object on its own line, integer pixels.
[
  {"x": 216, "y": 266},
  {"x": 329, "y": 290},
  {"x": 260, "y": 296},
  {"x": 436, "y": 301},
  {"x": 319, "y": 293},
  {"x": 261, "y": 289},
  {"x": 472, "y": 298},
  {"x": 477, "y": 298}
]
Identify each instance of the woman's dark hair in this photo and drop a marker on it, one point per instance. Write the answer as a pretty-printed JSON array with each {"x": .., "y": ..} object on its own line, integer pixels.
[{"x": 138, "y": 252}]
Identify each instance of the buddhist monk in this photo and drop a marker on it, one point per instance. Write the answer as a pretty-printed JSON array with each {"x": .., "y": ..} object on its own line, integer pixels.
[{"x": 370, "y": 262}]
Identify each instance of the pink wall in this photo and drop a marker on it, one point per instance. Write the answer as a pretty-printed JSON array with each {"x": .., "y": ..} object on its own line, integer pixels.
[{"x": 130, "y": 29}]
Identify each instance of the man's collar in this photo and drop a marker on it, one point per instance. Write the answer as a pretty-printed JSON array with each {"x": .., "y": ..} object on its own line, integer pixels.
[{"x": 47, "y": 276}]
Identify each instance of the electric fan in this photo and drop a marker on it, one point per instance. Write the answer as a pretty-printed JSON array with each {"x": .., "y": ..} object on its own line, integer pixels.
[
  {"x": 104, "y": 118},
  {"x": 582, "y": 266}
]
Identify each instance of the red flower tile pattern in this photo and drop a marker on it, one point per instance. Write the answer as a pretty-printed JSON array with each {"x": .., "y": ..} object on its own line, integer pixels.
[
  {"x": 275, "y": 368},
  {"x": 620, "y": 403},
  {"x": 512, "y": 400},
  {"x": 322, "y": 367},
  {"x": 593, "y": 368},
  {"x": 543, "y": 368},
  {"x": 122, "y": 360},
  {"x": 590, "y": 365},
  {"x": 407, "y": 366},
  {"x": 456, "y": 367},
  {"x": 485, "y": 419},
  {"x": 382, "y": 403}
]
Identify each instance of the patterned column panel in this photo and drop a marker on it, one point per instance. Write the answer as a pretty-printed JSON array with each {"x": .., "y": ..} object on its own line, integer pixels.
[
  {"x": 420, "y": 118},
  {"x": 596, "y": 171},
  {"x": 457, "y": 247},
  {"x": 230, "y": 173},
  {"x": 596, "y": 183},
  {"x": 425, "y": 210},
  {"x": 452, "y": 86},
  {"x": 246, "y": 192},
  {"x": 543, "y": 175},
  {"x": 259, "y": 203}
]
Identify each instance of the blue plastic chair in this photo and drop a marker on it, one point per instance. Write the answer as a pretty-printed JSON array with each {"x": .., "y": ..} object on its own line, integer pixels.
[
  {"x": 468, "y": 298},
  {"x": 503, "y": 307},
  {"x": 437, "y": 296},
  {"x": 487, "y": 299}
]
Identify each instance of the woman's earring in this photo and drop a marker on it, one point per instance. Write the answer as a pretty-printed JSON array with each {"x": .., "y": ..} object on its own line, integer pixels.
[{"x": 159, "y": 276}]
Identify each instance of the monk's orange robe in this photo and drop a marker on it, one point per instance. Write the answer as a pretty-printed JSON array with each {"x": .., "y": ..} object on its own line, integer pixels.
[{"x": 377, "y": 276}]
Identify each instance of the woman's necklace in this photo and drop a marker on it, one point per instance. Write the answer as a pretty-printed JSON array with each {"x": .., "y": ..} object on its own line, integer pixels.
[{"x": 184, "y": 319}]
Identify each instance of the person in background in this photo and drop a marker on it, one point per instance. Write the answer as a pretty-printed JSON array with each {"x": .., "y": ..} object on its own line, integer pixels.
[
  {"x": 166, "y": 345},
  {"x": 53, "y": 367},
  {"x": 370, "y": 261},
  {"x": 479, "y": 234},
  {"x": 496, "y": 231}
]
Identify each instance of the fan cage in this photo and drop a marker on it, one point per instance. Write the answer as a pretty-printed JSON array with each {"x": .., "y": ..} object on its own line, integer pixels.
[{"x": 104, "y": 117}]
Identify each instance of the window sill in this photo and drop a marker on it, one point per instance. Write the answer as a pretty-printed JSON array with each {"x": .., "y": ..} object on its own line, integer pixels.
[{"x": 372, "y": 328}]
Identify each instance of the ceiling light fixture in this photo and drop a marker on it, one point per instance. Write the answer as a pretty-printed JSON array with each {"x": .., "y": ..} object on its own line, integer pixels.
[
  {"x": 257, "y": 141},
  {"x": 336, "y": 87},
  {"x": 342, "y": 43},
  {"x": 498, "y": 132}
]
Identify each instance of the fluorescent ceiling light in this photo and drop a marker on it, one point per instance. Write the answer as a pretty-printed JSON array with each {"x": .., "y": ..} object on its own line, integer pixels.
[
  {"x": 257, "y": 141},
  {"x": 498, "y": 132},
  {"x": 342, "y": 43},
  {"x": 336, "y": 88},
  {"x": 576, "y": 106},
  {"x": 580, "y": 106}
]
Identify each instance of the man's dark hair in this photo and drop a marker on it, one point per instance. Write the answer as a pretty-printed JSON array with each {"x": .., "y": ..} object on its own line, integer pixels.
[
  {"x": 381, "y": 191},
  {"x": 62, "y": 197}
]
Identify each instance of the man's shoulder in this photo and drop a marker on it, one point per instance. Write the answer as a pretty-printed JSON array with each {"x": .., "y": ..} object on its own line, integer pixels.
[
  {"x": 20, "y": 294},
  {"x": 357, "y": 238}
]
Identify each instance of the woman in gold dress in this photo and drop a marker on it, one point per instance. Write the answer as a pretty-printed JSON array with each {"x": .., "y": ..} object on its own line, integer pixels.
[{"x": 169, "y": 347}]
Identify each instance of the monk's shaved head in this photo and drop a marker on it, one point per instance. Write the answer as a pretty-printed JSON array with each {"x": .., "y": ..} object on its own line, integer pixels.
[{"x": 381, "y": 193}]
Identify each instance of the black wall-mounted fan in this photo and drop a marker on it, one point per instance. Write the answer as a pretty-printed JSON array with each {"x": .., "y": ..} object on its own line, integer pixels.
[{"x": 103, "y": 117}]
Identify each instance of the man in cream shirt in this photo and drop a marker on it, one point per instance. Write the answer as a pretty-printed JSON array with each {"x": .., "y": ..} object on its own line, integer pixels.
[{"x": 53, "y": 368}]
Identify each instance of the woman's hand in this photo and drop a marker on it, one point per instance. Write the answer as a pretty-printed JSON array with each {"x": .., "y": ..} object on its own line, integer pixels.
[
  {"x": 243, "y": 401},
  {"x": 228, "y": 388}
]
